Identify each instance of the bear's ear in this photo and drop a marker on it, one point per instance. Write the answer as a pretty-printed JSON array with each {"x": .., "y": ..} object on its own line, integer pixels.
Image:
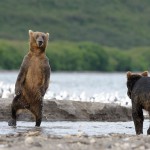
[
  {"x": 145, "y": 74},
  {"x": 129, "y": 74},
  {"x": 47, "y": 34},
  {"x": 30, "y": 32}
]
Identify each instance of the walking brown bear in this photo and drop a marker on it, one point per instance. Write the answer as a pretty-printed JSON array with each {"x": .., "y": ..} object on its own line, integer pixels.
[
  {"x": 33, "y": 79},
  {"x": 139, "y": 92}
]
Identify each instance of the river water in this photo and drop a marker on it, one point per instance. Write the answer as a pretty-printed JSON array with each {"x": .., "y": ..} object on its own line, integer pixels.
[
  {"x": 95, "y": 87},
  {"x": 73, "y": 128}
]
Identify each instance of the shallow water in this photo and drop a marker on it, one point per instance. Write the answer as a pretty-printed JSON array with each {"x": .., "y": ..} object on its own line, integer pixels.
[{"x": 72, "y": 128}]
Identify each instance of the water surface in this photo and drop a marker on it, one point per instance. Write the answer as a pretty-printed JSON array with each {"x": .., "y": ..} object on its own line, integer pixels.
[
  {"x": 72, "y": 128},
  {"x": 96, "y": 86}
]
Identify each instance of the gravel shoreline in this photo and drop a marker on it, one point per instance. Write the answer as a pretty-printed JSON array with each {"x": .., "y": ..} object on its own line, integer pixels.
[
  {"x": 34, "y": 140},
  {"x": 55, "y": 110}
]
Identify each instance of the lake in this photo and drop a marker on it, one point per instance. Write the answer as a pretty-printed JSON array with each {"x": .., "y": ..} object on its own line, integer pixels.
[{"x": 87, "y": 86}]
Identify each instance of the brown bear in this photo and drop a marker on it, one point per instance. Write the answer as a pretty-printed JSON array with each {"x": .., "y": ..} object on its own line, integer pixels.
[
  {"x": 139, "y": 92},
  {"x": 33, "y": 79}
]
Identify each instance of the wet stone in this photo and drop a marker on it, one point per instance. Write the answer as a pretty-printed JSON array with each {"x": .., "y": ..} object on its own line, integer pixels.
[{"x": 29, "y": 140}]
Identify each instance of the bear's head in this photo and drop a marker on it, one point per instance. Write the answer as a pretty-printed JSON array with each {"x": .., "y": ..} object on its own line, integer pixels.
[
  {"x": 132, "y": 78},
  {"x": 38, "y": 40}
]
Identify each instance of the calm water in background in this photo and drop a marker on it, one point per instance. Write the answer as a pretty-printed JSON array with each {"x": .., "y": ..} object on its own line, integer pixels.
[
  {"x": 89, "y": 82},
  {"x": 79, "y": 86}
]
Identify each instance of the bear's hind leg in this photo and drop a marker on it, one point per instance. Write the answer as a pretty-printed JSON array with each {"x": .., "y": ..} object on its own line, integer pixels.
[
  {"x": 16, "y": 105},
  {"x": 138, "y": 118},
  {"x": 37, "y": 111},
  {"x": 12, "y": 121}
]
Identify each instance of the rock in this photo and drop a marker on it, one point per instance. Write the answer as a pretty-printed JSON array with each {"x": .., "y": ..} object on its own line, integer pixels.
[
  {"x": 29, "y": 140},
  {"x": 60, "y": 146},
  {"x": 33, "y": 133},
  {"x": 67, "y": 110},
  {"x": 92, "y": 141},
  {"x": 80, "y": 134},
  {"x": 32, "y": 142}
]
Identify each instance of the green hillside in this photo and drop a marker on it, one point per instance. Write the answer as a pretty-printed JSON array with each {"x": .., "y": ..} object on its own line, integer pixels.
[{"x": 116, "y": 23}]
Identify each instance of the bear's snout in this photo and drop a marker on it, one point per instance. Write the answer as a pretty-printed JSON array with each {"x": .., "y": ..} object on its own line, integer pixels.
[{"x": 40, "y": 43}]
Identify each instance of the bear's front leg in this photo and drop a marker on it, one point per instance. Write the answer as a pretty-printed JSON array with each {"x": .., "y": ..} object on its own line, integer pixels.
[{"x": 138, "y": 118}]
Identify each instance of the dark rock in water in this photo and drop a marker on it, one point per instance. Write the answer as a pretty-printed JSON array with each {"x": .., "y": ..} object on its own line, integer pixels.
[{"x": 67, "y": 110}]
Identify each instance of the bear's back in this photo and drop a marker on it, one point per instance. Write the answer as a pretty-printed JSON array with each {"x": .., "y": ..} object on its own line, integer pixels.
[
  {"x": 141, "y": 89},
  {"x": 141, "y": 93},
  {"x": 143, "y": 85}
]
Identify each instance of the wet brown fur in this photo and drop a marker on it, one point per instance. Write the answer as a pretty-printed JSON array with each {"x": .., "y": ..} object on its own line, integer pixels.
[
  {"x": 132, "y": 78},
  {"x": 139, "y": 92},
  {"x": 33, "y": 78}
]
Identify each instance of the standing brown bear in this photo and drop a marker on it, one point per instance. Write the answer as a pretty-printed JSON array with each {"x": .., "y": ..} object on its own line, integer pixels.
[
  {"x": 139, "y": 92},
  {"x": 33, "y": 79}
]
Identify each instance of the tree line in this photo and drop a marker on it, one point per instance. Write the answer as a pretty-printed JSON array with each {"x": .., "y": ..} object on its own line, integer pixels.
[{"x": 78, "y": 56}]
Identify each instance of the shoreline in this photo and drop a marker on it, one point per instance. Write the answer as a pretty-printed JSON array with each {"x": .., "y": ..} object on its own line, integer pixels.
[
  {"x": 58, "y": 110},
  {"x": 36, "y": 140}
]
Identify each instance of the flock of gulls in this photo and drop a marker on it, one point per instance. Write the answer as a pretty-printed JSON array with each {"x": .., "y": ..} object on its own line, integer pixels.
[{"x": 7, "y": 91}]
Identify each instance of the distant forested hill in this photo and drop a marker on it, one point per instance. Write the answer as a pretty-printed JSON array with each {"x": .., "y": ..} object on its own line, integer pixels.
[{"x": 115, "y": 23}]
